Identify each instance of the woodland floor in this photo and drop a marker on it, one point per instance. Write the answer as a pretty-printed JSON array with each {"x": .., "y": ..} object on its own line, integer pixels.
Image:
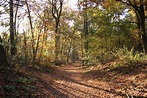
[{"x": 74, "y": 81}]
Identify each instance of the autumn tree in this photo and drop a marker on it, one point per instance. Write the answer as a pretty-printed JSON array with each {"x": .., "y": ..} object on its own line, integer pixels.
[
  {"x": 139, "y": 9},
  {"x": 70, "y": 37},
  {"x": 109, "y": 27},
  {"x": 83, "y": 6},
  {"x": 56, "y": 13}
]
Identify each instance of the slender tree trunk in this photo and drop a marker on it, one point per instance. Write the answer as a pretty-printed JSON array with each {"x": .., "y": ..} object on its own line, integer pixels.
[
  {"x": 44, "y": 39},
  {"x": 41, "y": 50},
  {"x": 85, "y": 32},
  {"x": 37, "y": 44},
  {"x": 25, "y": 48},
  {"x": 85, "y": 25},
  {"x": 12, "y": 40},
  {"x": 32, "y": 32},
  {"x": 15, "y": 18}
]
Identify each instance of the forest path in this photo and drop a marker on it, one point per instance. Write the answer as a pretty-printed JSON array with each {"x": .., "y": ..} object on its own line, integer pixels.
[{"x": 69, "y": 81}]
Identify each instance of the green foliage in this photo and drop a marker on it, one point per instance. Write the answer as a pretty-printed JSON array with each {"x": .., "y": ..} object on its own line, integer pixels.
[
  {"x": 123, "y": 55},
  {"x": 106, "y": 56},
  {"x": 128, "y": 57},
  {"x": 109, "y": 32},
  {"x": 126, "y": 54},
  {"x": 110, "y": 27}
]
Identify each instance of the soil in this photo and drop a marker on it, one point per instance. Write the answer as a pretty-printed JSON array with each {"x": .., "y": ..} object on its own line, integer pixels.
[{"x": 74, "y": 81}]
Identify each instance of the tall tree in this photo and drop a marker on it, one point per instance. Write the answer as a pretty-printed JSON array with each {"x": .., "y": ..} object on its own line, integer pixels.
[
  {"x": 84, "y": 5},
  {"x": 12, "y": 40},
  {"x": 139, "y": 9},
  {"x": 85, "y": 8},
  {"x": 32, "y": 33},
  {"x": 56, "y": 13}
]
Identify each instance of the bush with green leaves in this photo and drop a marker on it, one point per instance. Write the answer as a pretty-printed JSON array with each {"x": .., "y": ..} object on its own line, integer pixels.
[{"x": 125, "y": 54}]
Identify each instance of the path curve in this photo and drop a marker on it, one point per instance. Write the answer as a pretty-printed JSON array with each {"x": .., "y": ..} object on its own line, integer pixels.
[{"x": 68, "y": 81}]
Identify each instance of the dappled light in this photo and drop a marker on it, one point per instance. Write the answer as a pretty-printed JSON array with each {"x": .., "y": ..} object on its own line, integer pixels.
[{"x": 73, "y": 48}]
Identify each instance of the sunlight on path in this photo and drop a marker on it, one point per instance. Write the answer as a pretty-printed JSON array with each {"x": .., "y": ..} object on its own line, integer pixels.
[{"x": 68, "y": 81}]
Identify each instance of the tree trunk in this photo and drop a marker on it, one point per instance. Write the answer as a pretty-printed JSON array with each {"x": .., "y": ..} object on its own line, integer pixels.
[
  {"x": 85, "y": 32},
  {"x": 12, "y": 40},
  {"x": 25, "y": 48},
  {"x": 3, "y": 57},
  {"x": 142, "y": 27},
  {"x": 85, "y": 25},
  {"x": 15, "y": 18},
  {"x": 57, "y": 43},
  {"x": 56, "y": 13},
  {"x": 32, "y": 32}
]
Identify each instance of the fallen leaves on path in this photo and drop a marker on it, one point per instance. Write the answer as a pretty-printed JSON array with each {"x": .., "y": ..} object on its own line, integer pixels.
[{"x": 75, "y": 81}]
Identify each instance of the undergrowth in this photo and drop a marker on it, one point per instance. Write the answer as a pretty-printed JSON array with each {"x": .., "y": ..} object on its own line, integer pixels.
[{"x": 124, "y": 56}]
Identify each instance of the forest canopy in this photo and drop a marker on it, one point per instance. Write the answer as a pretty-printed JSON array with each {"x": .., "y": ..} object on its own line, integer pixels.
[{"x": 50, "y": 32}]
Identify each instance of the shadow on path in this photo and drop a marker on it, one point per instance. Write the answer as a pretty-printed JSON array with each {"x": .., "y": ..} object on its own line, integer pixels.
[{"x": 66, "y": 81}]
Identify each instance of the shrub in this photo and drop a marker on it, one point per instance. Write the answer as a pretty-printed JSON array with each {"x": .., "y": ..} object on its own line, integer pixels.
[{"x": 124, "y": 54}]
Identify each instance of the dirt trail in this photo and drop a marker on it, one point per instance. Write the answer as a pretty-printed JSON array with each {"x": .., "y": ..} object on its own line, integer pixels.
[
  {"x": 68, "y": 81},
  {"x": 75, "y": 81}
]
